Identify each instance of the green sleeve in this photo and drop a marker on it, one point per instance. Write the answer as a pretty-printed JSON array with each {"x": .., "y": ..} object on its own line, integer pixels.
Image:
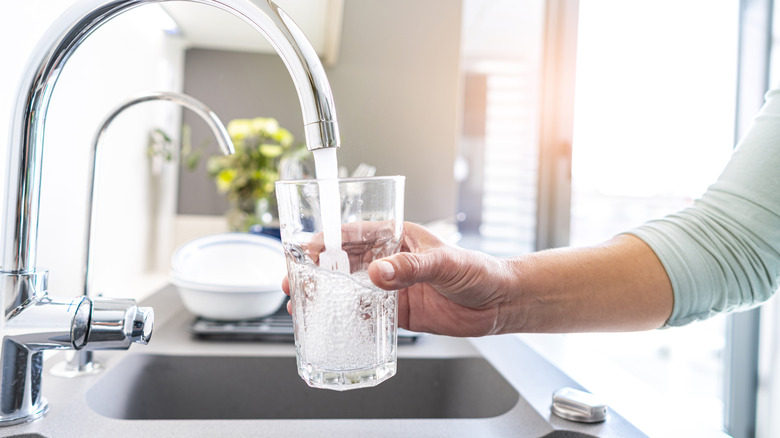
[{"x": 723, "y": 253}]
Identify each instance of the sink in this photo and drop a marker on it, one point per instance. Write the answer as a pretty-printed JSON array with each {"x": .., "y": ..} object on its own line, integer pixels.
[
  {"x": 185, "y": 386},
  {"x": 166, "y": 387}
]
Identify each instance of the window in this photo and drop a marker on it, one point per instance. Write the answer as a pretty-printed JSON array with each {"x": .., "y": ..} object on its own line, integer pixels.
[
  {"x": 498, "y": 164},
  {"x": 653, "y": 126},
  {"x": 654, "y": 109}
]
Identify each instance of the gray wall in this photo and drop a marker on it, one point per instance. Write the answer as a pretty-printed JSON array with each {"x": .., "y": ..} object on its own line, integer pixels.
[{"x": 396, "y": 91}]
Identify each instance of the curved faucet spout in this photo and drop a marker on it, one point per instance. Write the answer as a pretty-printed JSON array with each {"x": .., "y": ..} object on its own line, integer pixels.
[
  {"x": 189, "y": 102},
  {"x": 61, "y": 40},
  {"x": 24, "y": 297},
  {"x": 186, "y": 101}
]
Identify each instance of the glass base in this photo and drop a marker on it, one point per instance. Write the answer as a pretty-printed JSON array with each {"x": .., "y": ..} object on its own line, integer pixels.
[{"x": 342, "y": 380}]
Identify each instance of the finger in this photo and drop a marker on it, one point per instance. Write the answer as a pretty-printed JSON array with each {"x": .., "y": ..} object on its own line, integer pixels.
[
  {"x": 417, "y": 238},
  {"x": 403, "y": 309},
  {"x": 382, "y": 273},
  {"x": 405, "y": 269},
  {"x": 286, "y": 285}
]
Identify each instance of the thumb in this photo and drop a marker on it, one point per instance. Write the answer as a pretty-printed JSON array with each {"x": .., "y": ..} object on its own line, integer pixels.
[{"x": 405, "y": 269}]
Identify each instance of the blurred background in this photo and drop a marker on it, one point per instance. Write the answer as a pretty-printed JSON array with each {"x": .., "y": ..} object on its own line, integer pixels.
[{"x": 520, "y": 125}]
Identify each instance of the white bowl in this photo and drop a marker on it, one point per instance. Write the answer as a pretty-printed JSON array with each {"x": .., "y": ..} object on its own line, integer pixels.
[
  {"x": 228, "y": 305},
  {"x": 230, "y": 276}
]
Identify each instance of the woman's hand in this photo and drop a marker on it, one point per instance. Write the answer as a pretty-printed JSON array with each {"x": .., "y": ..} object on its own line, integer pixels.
[
  {"x": 619, "y": 285},
  {"x": 443, "y": 289}
]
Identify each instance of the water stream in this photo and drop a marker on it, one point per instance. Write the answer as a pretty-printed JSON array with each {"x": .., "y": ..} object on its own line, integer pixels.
[{"x": 326, "y": 170}]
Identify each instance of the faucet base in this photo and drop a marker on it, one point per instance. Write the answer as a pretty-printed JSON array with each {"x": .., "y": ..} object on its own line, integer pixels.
[
  {"x": 80, "y": 363},
  {"x": 33, "y": 413}
]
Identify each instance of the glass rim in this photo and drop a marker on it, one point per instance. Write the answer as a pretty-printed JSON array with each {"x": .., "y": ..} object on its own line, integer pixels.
[{"x": 340, "y": 180}]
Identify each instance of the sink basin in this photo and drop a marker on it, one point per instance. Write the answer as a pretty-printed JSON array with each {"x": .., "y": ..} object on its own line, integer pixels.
[
  {"x": 164, "y": 387},
  {"x": 184, "y": 386}
]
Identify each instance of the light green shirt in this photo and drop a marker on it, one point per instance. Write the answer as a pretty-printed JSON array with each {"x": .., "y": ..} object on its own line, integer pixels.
[{"x": 723, "y": 253}]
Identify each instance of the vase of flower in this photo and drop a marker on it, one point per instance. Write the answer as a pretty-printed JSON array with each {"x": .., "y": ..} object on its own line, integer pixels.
[{"x": 247, "y": 177}]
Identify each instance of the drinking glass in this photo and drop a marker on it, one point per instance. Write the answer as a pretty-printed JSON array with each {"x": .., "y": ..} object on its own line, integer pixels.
[{"x": 346, "y": 328}]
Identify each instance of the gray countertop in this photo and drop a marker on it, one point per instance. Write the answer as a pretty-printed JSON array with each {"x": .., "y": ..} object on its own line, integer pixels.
[{"x": 533, "y": 378}]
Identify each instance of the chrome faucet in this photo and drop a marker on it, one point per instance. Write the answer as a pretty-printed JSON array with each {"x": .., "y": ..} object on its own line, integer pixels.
[
  {"x": 33, "y": 321},
  {"x": 82, "y": 362}
]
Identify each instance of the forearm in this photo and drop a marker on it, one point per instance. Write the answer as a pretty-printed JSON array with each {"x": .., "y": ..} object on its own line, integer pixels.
[
  {"x": 723, "y": 253},
  {"x": 617, "y": 286}
]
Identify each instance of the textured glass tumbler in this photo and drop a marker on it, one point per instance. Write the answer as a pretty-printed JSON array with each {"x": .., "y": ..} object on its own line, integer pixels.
[{"x": 346, "y": 328}]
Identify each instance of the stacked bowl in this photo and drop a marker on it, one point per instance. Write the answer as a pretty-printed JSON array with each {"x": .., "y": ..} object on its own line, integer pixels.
[{"x": 230, "y": 276}]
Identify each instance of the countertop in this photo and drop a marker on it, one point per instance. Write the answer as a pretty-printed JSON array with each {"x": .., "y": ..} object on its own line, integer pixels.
[{"x": 532, "y": 376}]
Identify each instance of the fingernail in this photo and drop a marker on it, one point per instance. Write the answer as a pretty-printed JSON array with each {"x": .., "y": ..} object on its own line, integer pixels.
[{"x": 386, "y": 269}]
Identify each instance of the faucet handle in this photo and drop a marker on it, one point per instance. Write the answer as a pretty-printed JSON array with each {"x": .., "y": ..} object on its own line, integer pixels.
[
  {"x": 117, "y": 322},
  {"x": 143, "y": 323}
]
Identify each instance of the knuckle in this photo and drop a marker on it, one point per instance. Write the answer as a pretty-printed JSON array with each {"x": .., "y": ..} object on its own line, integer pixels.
[{"x": 412, "y": 266}]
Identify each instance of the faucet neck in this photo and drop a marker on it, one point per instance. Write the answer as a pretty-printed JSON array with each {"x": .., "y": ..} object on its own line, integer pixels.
[{"x": 25, "y": 152}]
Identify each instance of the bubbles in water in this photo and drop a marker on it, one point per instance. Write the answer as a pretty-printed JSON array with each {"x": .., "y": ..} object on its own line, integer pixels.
[{"x": 343, "y": 322}]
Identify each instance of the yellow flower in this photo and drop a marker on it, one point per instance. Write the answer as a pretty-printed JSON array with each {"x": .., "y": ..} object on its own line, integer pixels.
[
  {"x": 264, "y": 126},
  {"x": 239, "y": 129},
  {"x": 225, "y": 179},
  {"x": 250, "y": 173},
  {"x": 271, "y": 150},
  {"x": 284, "y": 137}
]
